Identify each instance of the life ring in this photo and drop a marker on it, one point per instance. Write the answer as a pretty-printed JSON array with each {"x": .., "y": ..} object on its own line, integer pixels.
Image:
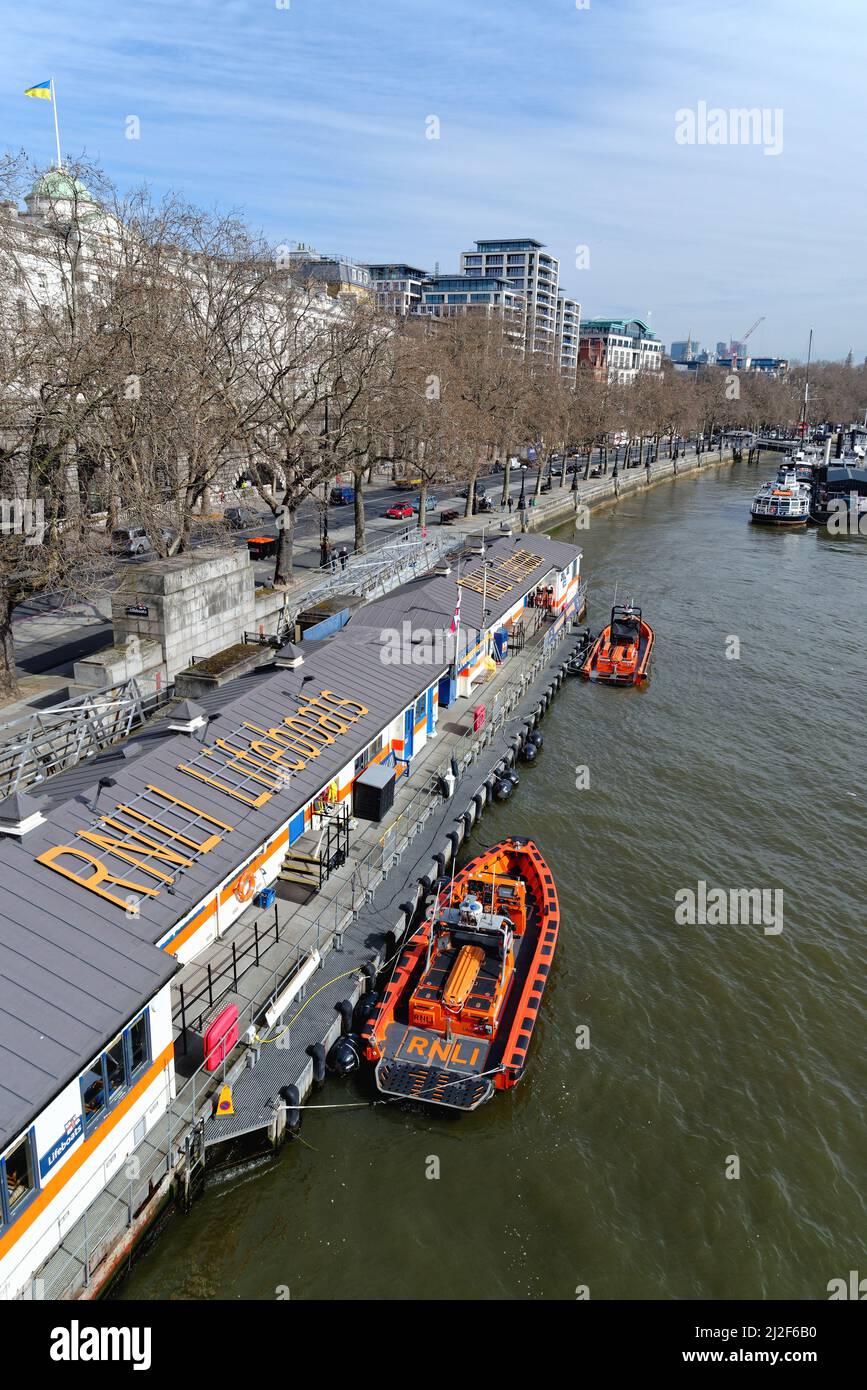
[{"x": 245, "y": 886}]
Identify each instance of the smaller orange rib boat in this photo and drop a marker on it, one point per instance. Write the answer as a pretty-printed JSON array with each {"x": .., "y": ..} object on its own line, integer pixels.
[
  {"x": 621, "y": 653},
  {"x": 455, "y": 1021}
]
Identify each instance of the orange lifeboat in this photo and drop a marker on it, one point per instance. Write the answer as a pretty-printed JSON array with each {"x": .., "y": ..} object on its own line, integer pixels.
[
  {"x": 621, "y": 653},
  {"x": 456, "y": 1018}
]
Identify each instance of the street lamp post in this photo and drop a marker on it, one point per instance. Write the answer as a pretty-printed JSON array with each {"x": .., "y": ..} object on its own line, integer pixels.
[{"x": 324, "y": 543}]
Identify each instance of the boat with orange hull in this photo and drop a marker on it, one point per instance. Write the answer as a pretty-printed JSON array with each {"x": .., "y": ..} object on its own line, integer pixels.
[
  {"x": 455, "y": 1021},
  {"x": 621, "y": 653}
]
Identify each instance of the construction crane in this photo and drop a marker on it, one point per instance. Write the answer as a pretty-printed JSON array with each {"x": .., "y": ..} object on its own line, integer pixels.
[{"x": 743, "y": 340}]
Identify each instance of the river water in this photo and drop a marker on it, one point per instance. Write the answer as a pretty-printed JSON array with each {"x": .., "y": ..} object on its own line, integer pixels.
[{"x": 713, "y": 1049}]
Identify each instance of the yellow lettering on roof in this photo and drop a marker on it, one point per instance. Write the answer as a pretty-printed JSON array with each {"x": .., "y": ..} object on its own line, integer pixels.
[
  {"x": 255, "y": 801},
  {"x": 124, "y": 851},
  {"x": 196, "y": 811},
  {"x": 100, "y": 874}
]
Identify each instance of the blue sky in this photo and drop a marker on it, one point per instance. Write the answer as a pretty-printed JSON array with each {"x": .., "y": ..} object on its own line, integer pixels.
[{"x": 554, "y": 121}]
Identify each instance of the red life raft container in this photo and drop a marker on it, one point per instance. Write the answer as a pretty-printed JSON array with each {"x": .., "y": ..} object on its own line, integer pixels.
[{"x": 220, "y": 1037}]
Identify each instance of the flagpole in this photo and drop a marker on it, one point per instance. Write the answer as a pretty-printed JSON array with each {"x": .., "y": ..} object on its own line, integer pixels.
[
  {"x": 458, "y": 632},
  {"x": 56, "y": 126}
]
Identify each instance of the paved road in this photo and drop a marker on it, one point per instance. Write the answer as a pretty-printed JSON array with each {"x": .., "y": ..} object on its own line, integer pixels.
[{"x": 51, "y": 634}]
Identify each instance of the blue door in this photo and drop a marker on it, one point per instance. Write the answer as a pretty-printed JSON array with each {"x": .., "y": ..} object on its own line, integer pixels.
[
  {"x": 408, "y": 732},
  {"x": 296, "y": 827},
  {"x": 429, "y": 711},
  {"x": 448, "y": 691}
]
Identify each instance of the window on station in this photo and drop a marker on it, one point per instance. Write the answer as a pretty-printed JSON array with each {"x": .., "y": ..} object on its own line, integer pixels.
[
  {"x": 111, "y": 1074},
  {"x": 115, "y": 1070},
  {"x": 137, "y": 1037},
  {"x": 93, "y": 1092},
  {"x": 17, "y": 1178},
  {"x": 421, "y": 707},
  {"x": 368, "y": 755}
]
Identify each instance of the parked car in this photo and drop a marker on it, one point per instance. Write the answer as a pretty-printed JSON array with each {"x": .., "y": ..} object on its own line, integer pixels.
[
  {"x": 429, "y": 504},
  {"x": 480, "y": 490},
  {"x": 134, "y": 540},
  {"x": 240, "y": 518},
  {"x": 130, "y": 540},
  {"x": 341, "y": 496},
  {"x": 399, "y": 512}
]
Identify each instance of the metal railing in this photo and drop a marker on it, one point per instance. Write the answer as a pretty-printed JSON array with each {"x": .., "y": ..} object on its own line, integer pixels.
[{"x": 51, "y": 740}]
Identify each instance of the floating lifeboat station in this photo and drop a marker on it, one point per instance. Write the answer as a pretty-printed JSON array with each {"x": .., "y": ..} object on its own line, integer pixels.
[{"x": 189, "y": 919}]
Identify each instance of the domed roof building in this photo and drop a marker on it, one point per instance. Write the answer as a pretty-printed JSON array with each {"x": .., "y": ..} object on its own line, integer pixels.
[{"x": 58, "y": 196}]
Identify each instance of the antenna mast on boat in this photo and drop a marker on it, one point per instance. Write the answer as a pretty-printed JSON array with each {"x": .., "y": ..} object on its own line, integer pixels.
[{"x": 805, "y": 406}]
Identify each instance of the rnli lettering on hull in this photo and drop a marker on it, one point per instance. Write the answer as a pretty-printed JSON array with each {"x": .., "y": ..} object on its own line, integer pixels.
[{"x": 455, "y": 1054}]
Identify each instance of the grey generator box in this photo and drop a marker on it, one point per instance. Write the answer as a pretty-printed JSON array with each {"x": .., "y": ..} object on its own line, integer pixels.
[{"x": 374, "y": 792}]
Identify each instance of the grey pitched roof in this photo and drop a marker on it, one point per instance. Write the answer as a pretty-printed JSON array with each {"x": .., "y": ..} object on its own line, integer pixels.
[
  {"x": 65, "y": 991},
  {"x": 429, "y": 602},
  {"x": 74, "y": 968}
]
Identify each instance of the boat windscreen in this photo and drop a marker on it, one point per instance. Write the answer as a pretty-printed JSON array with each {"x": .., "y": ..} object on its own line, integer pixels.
[{"x": 624, "y": 630}]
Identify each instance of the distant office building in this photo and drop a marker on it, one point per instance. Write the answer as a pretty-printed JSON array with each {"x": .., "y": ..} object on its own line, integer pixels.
[
  {"x": 619, "y": 348},
  {"x": 534, "y": 274},
  {"x": 398, "y": 287},
  {"x": 687, "y": 351},
  {"x": 337, "y": 274}
]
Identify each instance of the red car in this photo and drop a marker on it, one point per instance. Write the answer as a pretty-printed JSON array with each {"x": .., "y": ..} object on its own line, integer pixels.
[{"x": 399, "y": 512}]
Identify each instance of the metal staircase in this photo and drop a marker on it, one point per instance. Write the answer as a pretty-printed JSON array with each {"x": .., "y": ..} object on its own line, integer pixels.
[{"x": 314, "y": 856}]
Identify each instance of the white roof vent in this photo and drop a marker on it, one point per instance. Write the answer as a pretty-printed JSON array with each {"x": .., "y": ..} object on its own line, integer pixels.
[
  {"x": 187, "y": 717},
  {"x": 19, "y": 813},
  {"x": 289, "y": 656}
]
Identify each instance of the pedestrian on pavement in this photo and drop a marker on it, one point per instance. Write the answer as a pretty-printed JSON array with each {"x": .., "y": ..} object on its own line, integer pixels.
[
  {"x": 344, "y": 556},
  {"x": 511, "y": 501}
]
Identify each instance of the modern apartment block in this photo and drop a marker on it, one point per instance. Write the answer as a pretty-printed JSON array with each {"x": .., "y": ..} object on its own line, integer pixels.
[
  {"x": 568, "y": 334},
  {"x": 398, "y": 287},
  {"x": 619, "y": 348},
  {"x": 444, "y": 296},
  {"x": 535, "y": 274},
  {"x": 515, "y": 277}
]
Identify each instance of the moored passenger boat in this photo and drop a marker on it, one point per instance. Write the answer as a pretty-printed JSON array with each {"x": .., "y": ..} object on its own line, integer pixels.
[
  {"x": 783, "y": 502},
  {"x": 455, "y": 1021}
]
